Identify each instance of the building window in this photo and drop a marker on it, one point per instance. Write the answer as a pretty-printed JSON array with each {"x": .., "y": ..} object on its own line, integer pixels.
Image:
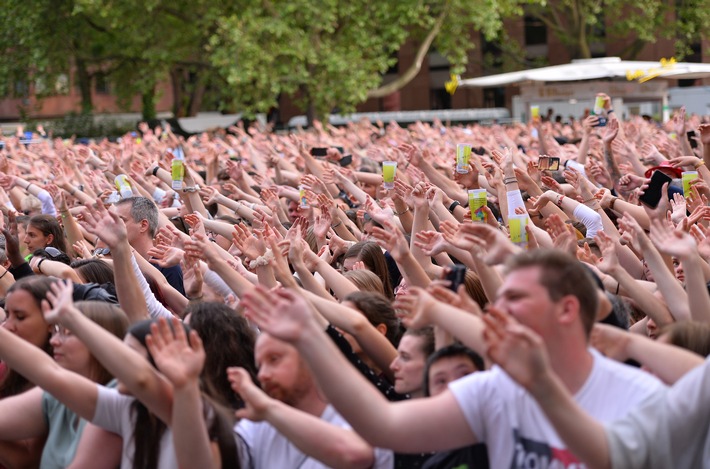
[
  {"x": 535, "y": 31},
  {"x": 439, "y": 98},
  {"x": 494, "y": 97},
  {"x": 101, "y": 84}
]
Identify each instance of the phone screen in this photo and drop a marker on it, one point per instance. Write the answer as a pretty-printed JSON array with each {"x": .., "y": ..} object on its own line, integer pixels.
[
  {"x": 548, "y": 163},
  {"x": 456, "y": 276},
  {"x": 691, "y": 139},
  {"x": 319, "y": 151},
  {"x": 653, "y": 194}
]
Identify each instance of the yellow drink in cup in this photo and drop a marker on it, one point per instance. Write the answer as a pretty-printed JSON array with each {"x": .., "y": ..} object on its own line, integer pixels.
[
  {"x": 389, "y": 169},
  {"x": 463, "y": 156},
  {"x": 516, "y": 226},
  {"x": 535, "y": 113},
  {"x": 302, "y": 197},
  {"x": 477, "y": 199},
  {"x": 687, "y": 177}
]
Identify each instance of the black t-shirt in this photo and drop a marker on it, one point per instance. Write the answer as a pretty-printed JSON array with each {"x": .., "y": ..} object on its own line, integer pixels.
[
  {"x": 173, "y": 275},
  {"x": 468, "y": 457}
]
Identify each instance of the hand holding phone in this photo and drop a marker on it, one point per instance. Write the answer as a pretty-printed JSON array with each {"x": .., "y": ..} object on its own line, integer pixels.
[
  {"x": 456, "y": 276},
  {"x": 657, "y": 188}
]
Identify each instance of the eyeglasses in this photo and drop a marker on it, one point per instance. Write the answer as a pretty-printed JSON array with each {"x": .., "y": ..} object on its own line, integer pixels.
[
  {"x": 61, "y": 332},
  {"x": 52, "y": 251},
  {"x": 101, "y": 252}
]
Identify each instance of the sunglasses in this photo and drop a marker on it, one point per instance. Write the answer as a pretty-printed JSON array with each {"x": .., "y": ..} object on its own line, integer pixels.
[
  {"x": 52, "y": 251},
  {"x": 101, "y": 252}
]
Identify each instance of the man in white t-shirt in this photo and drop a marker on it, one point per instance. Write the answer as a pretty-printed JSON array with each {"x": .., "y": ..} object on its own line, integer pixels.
[
  {"x": 289, "y": 424},
  {"x": 549, "y": 292}
]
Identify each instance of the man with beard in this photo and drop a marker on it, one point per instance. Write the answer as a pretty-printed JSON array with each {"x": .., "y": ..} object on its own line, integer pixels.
[{"x": 289, "y": 423}]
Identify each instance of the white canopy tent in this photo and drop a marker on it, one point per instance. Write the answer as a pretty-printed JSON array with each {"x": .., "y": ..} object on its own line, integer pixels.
[{"x": 631, "y": 74}]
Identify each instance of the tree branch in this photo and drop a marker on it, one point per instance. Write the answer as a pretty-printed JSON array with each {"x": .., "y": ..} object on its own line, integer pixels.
[{"x": 416, "y": 66}]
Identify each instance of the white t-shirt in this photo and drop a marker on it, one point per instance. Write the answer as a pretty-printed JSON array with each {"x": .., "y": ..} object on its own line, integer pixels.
[
  {"x": 671, "y": 430},
  {"x": 267, "y": 448},
  {"x": 113, "y": 413},
  {"x": 518, "y": 435}
]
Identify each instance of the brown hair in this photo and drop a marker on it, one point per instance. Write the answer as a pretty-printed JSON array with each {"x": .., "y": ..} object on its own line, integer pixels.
[
  {"x": 378, "y": 310},
  {"x": 374, "y": 259},
  {"x": 111, "y": 318},
  {"x": 690, "y": 335}
]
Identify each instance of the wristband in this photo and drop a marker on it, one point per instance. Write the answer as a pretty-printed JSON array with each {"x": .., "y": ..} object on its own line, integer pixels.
[
  {"x": 559, "y": 201},
  {"x": 613, "y": 201},
  {"x": 402, "y": 212},
  {"x": 39, "y": 264},
  {"x": 4, "y": 274},
  {"x": 453, "y": 205},
  {"x": 155, "y": 170},
  {"x": 609, "y": 111},
  {"x": 699, "y": 164},
  {"x": 337, "y": 224}
]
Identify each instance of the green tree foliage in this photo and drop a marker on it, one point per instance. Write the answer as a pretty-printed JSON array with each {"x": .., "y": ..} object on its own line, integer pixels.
[{"x": 580, "y": 23}]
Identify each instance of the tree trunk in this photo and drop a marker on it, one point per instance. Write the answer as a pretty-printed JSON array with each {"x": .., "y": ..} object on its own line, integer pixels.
[
  {"x": 414, "y": 69},
  {"x": 84, "y": 81},
  {"x": 176, "y": 81},
  {"x": 197, "y": 93},
  {"x": 148, "y": 105}
]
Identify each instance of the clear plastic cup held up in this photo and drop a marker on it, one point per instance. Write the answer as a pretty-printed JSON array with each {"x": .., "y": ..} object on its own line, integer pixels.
[{"x": 389, "y": 170}]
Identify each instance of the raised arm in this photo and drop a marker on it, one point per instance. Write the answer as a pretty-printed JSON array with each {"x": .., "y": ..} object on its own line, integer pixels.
[
  {"x": 412, "y": 426},
  {"x": 333, "y": 446}
]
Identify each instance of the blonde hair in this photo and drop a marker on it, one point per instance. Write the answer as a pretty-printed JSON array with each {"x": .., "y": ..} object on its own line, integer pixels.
[{"x": 365, "y": 280}]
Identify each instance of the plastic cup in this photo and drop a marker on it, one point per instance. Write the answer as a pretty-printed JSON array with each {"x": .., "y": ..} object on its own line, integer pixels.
[
  {"x": 389, "y": 169},
  {"x": 123, "y": 186},
  {"x": 302, "y": 197},
  {"x": 516, "y": 226},
  {"x": 535, "y": 113},
  {"x": 687, "y": 177},
  {"x": 463, "y": 156},
  {"x": 477, "y": 199},
  {"x": 177, "y": 172}
]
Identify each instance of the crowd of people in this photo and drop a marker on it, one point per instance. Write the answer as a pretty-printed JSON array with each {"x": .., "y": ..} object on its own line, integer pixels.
[{"x": 530, "y": 296}]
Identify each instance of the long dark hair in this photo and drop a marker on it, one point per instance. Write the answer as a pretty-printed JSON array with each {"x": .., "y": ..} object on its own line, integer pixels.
[
  {"x": 229, "y": 341},
  {"x": 37, "y": 286},
  {"x": 49, "y": 225},
  {"x": 148, "y": 429}
]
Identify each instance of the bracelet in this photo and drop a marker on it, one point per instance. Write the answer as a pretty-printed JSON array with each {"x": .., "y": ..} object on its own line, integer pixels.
[
  {"x": 28, "y": 186},
  {"x": 699, "y": 164},
  {"x": 453, "y": 205},
  {"x": 609, "y": 111},
  {"x": 337, "y": 224},
  {"x": 4, "y": 274},
  {"x": 617, "y": 287},
  {"x": 559, "y": 201},
  {"x": 613, "y": 201},
  {"x": 155, "y": 170},
  {"x": 402, "y": 212},
  {"x": 197, "y": 298},
  {"x": 262, "y": 260},
  {"x": 510, "y": 180},
  {"x": 194, "y": 188},
  {"x": 39, "y": 265},
  {"x": 73, "y": 191}
]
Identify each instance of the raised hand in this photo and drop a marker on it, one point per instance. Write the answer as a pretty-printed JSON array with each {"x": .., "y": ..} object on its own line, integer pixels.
[
  {"x": 392, "y": 240},
  {"x": 609, "y": 262},
  {"x": 166, "y": 256},
  {"x": 498, "y": 246},
  {"x": 515, "y": 348},
  {"x": 430, "y": 242},
  {"x": 611, "y": 341},
  {"x": 416, "y": 308},
  {"x": 105, "y": 224},
  {"x": 676, "y": 243},
  {"x": 177, "y": 359},
  {"x": 282, "y": 313},
  {"x": 59, "y": 301},
  {"x": 256, "y": 402},
  {"x": 252, "y": 247}
]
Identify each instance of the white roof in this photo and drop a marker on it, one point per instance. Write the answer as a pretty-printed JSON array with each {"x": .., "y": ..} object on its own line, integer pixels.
[{"x": 594, "y": 69}]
